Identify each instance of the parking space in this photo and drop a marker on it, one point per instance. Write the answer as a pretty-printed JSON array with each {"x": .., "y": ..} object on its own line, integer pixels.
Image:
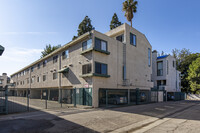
[{"x": 122, "y": 119}]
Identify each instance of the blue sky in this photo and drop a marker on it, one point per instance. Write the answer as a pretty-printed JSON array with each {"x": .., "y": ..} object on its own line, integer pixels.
[{"x": 26, "y": 26}]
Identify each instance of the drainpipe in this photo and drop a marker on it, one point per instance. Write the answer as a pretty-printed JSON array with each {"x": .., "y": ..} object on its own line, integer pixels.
[
  {"x": 176, "y": 77},
  {"x": 74, "y": 96},
  {"x": 28, "y": 90},
  {"x": 59, "y": 79},
  {"x": 6, "y": 99}
]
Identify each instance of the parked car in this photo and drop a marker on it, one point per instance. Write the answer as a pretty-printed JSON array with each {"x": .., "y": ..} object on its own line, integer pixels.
[
  {"x": 170, "y": 97},
  {"x": 142, "y": 97}
]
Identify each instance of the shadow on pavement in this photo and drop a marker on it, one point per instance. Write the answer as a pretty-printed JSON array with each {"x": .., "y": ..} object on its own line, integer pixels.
[
  {"x": 36, "y": 121},
  {"x": 160, "y": 110}
]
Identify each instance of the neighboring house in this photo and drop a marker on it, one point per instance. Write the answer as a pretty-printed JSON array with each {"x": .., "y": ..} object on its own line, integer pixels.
[
  {"x": 4, "y": 80},
  {"x": 98, "y": 65},
  {"x": 164, "y": 74}
]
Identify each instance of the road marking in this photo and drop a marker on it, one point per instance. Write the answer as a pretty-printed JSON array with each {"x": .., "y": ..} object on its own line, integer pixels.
[
  {"x": 169, "y": 107},
  {"x": 161, "y": 109}
]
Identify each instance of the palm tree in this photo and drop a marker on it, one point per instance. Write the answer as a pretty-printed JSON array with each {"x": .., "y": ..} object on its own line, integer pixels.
[{"x": 129, "y": 6}]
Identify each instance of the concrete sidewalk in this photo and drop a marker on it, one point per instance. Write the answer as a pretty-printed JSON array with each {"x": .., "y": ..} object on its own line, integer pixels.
[{"x": 124, "y": 119}]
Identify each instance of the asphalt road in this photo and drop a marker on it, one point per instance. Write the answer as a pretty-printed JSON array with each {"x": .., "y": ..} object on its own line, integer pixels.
[
  {"x": 180, "y": 116},
  {"x": 186, "y": 121}
]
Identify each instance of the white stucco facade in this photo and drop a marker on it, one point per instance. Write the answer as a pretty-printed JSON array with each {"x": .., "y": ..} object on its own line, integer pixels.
[{"x": 164, "y": 73}]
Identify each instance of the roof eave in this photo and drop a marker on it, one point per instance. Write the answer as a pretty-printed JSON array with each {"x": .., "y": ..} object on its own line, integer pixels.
[{"x": 55, "y": 52}]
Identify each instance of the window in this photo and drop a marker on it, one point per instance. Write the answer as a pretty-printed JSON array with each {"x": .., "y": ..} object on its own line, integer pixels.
[
  {"x": 44, "y": 77},
  {"x": 100, "y": 68},
  {"x": 55, "y": 75},
  {"x": 38, "y": 66},
  {"x": 1, "y": 82},
  {"x": 132, "y": 39},
  {"x": 173, "y": 63},
  {"x": 161, "y": 82},
  {"x": 160, "y": 68},
  {"x": 87, "y": 44},
  {"x": 32, "y": 69},
  {"x": 38, "y": 79},
  {"x": 86, "y": 69},
  {"x": 55, "y": 59},
  {"x": 44, "y": 63},
  {"x": 120, "y": 38},
  {"x": 65, "y": 54},
  {"x": 100, "y": 44},
  {"x": 27, "y": 71},
  {"x": 149, "y": 57},
  {"x": 32, "y": 80},
  {"x": 27, "y": 80}
]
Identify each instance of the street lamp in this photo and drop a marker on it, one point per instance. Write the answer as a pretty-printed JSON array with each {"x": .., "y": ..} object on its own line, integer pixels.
[{"x": 1, "y": 50}]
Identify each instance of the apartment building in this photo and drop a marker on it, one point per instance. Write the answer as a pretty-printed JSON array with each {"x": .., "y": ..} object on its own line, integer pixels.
[
  {"x": 4, "y": 80},
  {"x": 98, "y": 66},
  {"x": 164, "y": 74}
]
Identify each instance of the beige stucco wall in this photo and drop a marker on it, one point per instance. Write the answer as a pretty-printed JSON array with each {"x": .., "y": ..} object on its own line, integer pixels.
[{"x": 138, "y": 71}]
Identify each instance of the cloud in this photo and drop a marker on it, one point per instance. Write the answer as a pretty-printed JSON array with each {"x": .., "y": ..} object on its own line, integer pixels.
[
  {"x": 26, "y": 52},
  {"x": 26, "y": 33},
  {"x": 15, "y": 58}
]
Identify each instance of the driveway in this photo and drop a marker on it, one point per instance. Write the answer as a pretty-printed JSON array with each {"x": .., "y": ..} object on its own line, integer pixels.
[{"x": 141, "y": 118}]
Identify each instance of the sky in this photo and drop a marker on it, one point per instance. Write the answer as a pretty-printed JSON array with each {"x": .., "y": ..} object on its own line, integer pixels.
[{"x": 27, "y": 26}]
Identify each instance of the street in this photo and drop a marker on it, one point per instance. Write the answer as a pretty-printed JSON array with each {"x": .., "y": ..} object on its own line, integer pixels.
[{"x": 180, "y": 116}]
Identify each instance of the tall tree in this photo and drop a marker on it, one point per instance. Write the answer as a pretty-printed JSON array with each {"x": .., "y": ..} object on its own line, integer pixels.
[
  {"x": 130, "y": 7},
  {"x": 183, "y": 67},
  {"x": 180, "y": 55},
  {"x": 114, "y": 22},
  {"x": 48, "y": 49},
  {"x": 84, "y": 27},
  {"x": 175, "y": 53},
  {"x": 194, "y": 76}
]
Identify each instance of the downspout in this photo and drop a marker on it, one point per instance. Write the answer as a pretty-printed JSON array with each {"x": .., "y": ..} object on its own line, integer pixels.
[
  {"x": 59, "y": 80},
  {"x": 28, "y": 91}
]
